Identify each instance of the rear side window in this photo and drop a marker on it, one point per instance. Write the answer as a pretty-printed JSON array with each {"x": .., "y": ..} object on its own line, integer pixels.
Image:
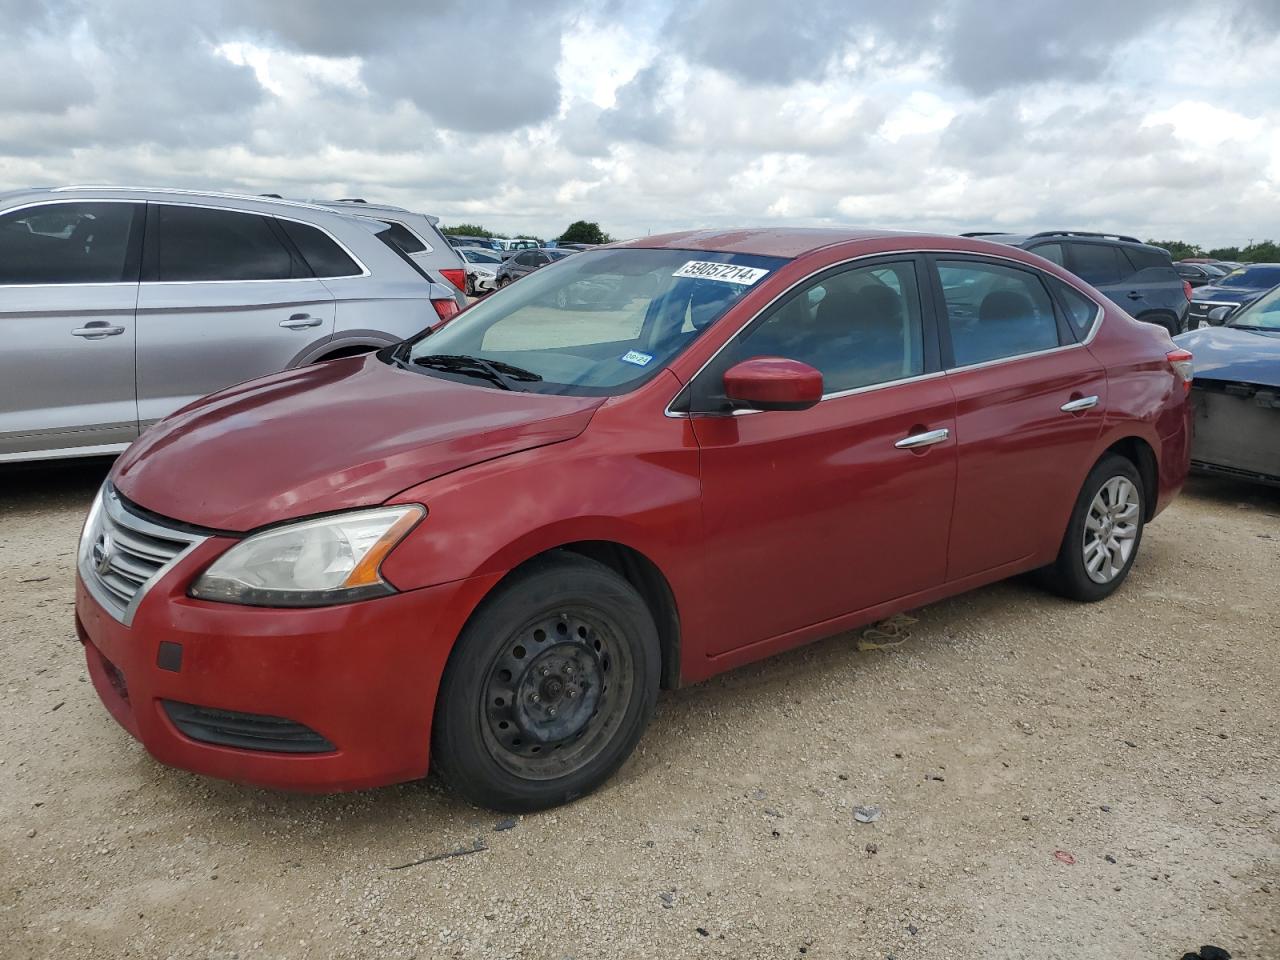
[
  {"x": 995, "y": 311},
  {"x": 1081, "y": 312},
  {"x": 68, "y": 243},
  {"x": 198, "y": 243},
  {"x": 1051, "y": 252},
  {"x": 403, "y": 237},
  {"x": 525, "y": 259},
  {"x": 1097, "y": 263},
  {"x": 1147, "y": 258},
  {"x": 323, "y": 255}
]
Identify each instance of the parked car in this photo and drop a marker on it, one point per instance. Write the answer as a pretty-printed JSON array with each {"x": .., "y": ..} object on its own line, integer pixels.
[
  {"x": 461, "y": 240},
  {"x": 519, "y": 243},
  {"x": 482, "y": 269},
  {"x": 486, "y": 548},
  {"x": 106, "y": 330},
  {"x": 1215, "y": 302},
  {"x": 1236, "y": 394},
  {"x": 418, "y": 236},
  {"x": 523, "y": 262},
  {"x": 1199, "y": 274},
  {"x": 1137, "y": 276}
]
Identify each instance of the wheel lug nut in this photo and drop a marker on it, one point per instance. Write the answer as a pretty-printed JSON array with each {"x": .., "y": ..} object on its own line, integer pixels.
[
  {"x": 535, "y": 698},
  {"x": 546, "y": 671},
  {"x": 551, "y": 711},
  {"x": 570, "y": 694}
]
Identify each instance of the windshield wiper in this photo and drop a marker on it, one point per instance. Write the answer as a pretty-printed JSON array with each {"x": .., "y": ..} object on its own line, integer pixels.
[{"x": 499, "y": 373}]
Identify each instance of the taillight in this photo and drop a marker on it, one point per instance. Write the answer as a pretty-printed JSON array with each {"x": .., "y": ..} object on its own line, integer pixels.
[
  {"x": 446, "y": 308},
  {"x": 1186, "y": 288},
  {"x": 459, "y": 279},
  {"x": 1181, "y": 361}
]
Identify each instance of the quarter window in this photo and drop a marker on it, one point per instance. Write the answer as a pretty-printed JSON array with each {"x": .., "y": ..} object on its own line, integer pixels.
[
  {"x": 1081, "y": 312},
  {"x": 858, "y": 327},
  {"x": 197, "y": 243},
  {"x": 68, "y": 243},
  {"x": 323, "y": 256},
  {"x": 1097, "y": 263},
  {"x": 1051, "y": 252},
  {"x": 995, "y": 311},
  {"x": 404, "y": 238}
]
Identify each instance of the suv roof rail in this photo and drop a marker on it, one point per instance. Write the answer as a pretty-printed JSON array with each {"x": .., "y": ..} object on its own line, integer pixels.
[
  {"x": 984, "y": 233},
  {"x": 352, "y": 200},
  {"x": 1085, "y": 233},
  {"x": 175, "y": 191}
]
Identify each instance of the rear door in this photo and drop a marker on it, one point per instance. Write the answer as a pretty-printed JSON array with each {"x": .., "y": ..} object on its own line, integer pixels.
[
  {"x": 225, "y": 297},
  {"x": 68, "y": 289},
  {"x": 1030, "y": 400}
]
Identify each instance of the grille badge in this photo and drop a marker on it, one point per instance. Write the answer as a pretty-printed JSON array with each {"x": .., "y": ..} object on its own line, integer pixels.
[{"x": 102, "y": 550}]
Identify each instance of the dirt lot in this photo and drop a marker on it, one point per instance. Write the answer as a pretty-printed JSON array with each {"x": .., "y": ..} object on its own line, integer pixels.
[{"x": 1138, "y": 736}]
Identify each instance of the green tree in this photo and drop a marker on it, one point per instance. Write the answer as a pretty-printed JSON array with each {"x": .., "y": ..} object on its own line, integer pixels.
[
  {"x": 584, "y": 231},
  {"x": 1264, "y": 251},
  {"x": 1178, "y": 249},
  {"x": 1226, "y": 253},
  {"x": 470, "y": 230}
]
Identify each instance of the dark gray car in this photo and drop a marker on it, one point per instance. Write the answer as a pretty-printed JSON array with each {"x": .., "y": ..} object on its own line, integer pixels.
[
  {"x": 524, "y": 262},
  {"x": 120, "y": 305},
  {"x": 1136, "y": 276}
]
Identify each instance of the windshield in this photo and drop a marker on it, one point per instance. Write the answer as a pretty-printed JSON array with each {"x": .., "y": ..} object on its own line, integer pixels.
[
  {"x": 479, "y": 256},
  {"x": 1262, "y": 314},
  {"x": 593, "y": 324},
  {"x": 1267, "y": 276}
]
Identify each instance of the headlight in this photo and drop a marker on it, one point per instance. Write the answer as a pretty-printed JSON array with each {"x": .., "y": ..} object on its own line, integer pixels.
[{"x": 313, "y": 563}]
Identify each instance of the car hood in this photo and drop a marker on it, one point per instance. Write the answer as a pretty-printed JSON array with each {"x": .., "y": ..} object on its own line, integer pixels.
[
  {"x": 1230, "y": 353},
  {"x": 1212, "y": 291},
  {"x": 330, "y": 436}
]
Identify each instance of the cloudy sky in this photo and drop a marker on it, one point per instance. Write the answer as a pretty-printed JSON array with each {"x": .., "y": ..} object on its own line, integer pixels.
[{"x": 1145, "y": 116}]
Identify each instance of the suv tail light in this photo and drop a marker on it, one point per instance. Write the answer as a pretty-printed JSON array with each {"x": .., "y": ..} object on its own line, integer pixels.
[
  {"x": 447, "y": 308},
  {"x": 1181, "y": 361},
  {"x": 1186, "y": 288},
  {"x": 459, "y": 279}
]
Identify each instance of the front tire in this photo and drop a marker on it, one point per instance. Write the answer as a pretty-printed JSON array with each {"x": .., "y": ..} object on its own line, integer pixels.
[
  {"x": 1104, "y": 533},
  {"x": 548, "y": 688}
]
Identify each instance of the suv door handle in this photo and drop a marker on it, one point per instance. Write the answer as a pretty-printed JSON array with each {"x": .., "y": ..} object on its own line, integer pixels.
[
  {"x": 1076, "y": 406},
  {"x": 96, "y": 330},
  {"x": 1134, "y": 295},
  {"x": 300, "y": 321},
  {"x": 926, "y": 439}
]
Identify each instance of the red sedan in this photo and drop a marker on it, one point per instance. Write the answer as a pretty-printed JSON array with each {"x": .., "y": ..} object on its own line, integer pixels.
[{"x": 488, "y": 547}]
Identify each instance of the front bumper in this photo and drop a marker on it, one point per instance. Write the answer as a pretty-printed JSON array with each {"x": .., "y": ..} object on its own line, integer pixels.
[
  {"x": 484, "y": 282},
  {"x": 362, "y": 676}
]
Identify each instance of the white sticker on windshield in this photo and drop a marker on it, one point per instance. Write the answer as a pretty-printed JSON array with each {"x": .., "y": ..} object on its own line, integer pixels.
[
  {"x": 636, "y": 357},
  {"x": 726, "y": 272}
]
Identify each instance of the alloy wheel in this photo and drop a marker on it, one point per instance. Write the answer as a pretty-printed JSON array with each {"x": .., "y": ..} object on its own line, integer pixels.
[{"x": 1111, "y": 529}]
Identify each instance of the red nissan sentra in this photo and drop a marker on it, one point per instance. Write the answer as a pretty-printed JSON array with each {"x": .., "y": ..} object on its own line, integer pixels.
[{"x": 488, "y": 547}]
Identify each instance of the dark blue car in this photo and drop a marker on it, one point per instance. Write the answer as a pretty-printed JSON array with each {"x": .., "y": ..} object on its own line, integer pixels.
[
  {"x": 1236, "y": 393},
  {"x": 1237, "y": 288}
]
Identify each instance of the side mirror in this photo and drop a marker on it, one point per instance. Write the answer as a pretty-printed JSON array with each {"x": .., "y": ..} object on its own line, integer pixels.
[
  {"x": 773, "y": 383},
  {"x": 1219, "y": 314}
]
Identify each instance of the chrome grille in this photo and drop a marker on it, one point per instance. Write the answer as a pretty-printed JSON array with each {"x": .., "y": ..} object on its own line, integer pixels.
[{"x": 123, "y": 554}]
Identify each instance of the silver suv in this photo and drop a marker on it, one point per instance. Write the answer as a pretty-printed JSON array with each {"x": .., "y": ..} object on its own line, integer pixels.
[{"x": 120, "y": 305}]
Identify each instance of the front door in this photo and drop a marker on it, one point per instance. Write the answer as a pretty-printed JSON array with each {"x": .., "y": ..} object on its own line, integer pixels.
[
  {"x": 224, "y": 298},
  {"x": 813, "y": 514},
  {"x": 68, "y": 289}
]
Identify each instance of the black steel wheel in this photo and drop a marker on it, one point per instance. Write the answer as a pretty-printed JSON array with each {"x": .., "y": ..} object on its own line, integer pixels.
[{"x": 549, "y": 686}]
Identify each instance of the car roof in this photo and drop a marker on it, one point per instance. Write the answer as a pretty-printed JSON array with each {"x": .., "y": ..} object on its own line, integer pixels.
[{"x": 786, "y": 242}]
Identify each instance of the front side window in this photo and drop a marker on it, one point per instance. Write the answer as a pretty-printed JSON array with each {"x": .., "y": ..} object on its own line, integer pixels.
[
  {"x": 858, "y": 327},
  {"x": 68, "y": 243},
  {"x": 594, "y": 324},
  {"x": 199, "y": 243},
  {"x": 1097, "y": 263},
  {"x": 995, "y": 311}
]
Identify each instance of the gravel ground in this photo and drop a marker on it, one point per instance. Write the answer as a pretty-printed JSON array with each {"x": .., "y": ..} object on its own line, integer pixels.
[{"x": 1056, "y": 781}]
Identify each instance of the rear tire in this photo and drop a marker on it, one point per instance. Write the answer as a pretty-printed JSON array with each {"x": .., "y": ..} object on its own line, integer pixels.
[
  {"x": 548, "y": 688},
  {"x": 1104, "y": 533}
]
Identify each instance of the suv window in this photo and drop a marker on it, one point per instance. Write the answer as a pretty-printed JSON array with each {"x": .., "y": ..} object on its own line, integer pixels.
[
  {"x": 1097, "y": 263},
  {"x": 323, "y": 255},
  {"x": 995, "y": 311},
  {"x": 198, "y": 243},
  {"x": 526, "y": 259},
  {"x": 404, "y": 238},
  {"x": 858, "y": 327},
  {"x": 1051, "y": 252},
  {"x": 68, "y": 243},
  {"x": 1146, "y": 258},
  {"x": 1081, "y": 312}
]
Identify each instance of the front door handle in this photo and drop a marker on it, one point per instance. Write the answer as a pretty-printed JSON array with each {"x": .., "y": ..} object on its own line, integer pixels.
[
  {"x": 96, "y": 330},
  {"x": 1134, "y": 295},
  {"x": 1075, "y": 406},
  {"x": 926, "y": 439},
  {"x": 300, "y": 321}
]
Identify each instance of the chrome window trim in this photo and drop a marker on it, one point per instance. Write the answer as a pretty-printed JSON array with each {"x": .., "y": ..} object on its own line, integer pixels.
[
  {"x": 108, "y": 501},
  {"x": 365, "y": 272},
  {"x": 1099, "y": 317},
  {"x": 175, "y": 191}
]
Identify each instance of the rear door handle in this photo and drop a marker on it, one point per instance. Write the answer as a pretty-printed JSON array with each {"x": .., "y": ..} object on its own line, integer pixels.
[
  {"x": 300, "y": 321},
  {"x": 96, "y": 330},
  {"x": 1075, "y": 406},
  {"x": 1134, "y": 295},
  {"x": 926, "y": 439}
]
